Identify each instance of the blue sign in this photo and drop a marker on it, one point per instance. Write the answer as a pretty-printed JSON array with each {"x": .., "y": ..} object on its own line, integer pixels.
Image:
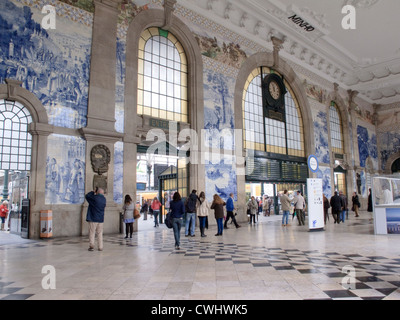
[{"x": 313, "y": 163}]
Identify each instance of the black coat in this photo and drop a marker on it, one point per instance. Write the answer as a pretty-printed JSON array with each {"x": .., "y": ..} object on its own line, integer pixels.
[{"x": 337, "y": 203}]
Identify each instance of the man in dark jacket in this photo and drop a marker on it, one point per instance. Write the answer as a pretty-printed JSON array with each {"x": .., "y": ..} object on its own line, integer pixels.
[
  {"x": 345, "y": 208},
  {"x": 337, "y": 205},
  {"x": 95, "y": 217},
  {"x": 190, "y": 207}
]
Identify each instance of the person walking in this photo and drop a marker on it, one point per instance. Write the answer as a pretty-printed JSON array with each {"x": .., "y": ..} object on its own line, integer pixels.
[
  {"x": 177, "y": 209},
  {"x": 95, "y": 217},
  {"x": 144, "y": 209},
  {"x": 156, "y": 205},
  {"x": 286, "y": 207},
  {"x": 345, "y": 208},
  {"x": 218, "y": 206},
  {"x": 128, "y": 209},
  {"x": 190, "y": 207},
  {"x": 229, "y": 212},
  {"x": 253, "y": 207},
  {"x": 3, "y": 213},
  {"x": 326, "y": 208},
  {"x": 355, "y": 203},
  {"x": 370, "y": 207},
  {"x": 337, "y": 205},
  {"x": 299, "y": 205},
  {"x": 203, "y": 208}
]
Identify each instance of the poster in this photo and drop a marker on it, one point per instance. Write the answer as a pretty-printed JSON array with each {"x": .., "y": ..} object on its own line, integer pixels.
[{"x": 315, "y": 205}]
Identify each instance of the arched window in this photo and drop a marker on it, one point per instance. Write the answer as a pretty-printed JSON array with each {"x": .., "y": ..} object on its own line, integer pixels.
[
  {"x": 15, "y": 140},
  {"x": 162, "y": 76},
  {"x": 270, "y": 134},
  {"x": 335, "y": 121}
]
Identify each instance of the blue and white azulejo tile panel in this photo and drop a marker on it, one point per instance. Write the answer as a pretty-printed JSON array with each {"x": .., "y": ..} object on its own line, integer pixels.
[{"x": 65, "y": 170}]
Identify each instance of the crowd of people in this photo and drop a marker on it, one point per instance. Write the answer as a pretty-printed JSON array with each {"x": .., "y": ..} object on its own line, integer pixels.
[{"x": 198, "y": 206}]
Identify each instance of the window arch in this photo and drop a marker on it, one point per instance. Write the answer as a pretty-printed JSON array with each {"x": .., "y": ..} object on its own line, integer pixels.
[
  {"x": 336, "y": 128},
  {"x": 162, "y": 76},
  {"x": 263, "y": 133},
  {"x": 15, "y": 140}
]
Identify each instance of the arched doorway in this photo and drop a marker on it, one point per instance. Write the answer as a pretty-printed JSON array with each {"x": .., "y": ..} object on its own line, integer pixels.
[
  {"x": 15, "y": 164},
  {"x": 396, "y": 166}
]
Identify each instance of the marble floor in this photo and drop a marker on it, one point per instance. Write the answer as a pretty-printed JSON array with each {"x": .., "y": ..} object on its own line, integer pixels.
[{"x": 263, "y": 261}]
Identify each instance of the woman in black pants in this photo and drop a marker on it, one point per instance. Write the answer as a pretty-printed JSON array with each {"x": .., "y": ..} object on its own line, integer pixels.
[{"x": 128, "y": 209}]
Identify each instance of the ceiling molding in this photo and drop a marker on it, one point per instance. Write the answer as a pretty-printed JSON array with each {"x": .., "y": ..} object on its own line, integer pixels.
[{"x": 308, "y": 41}]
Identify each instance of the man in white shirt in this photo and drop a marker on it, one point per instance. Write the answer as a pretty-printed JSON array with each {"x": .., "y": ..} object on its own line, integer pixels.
[{"x": 299, "y": 205}]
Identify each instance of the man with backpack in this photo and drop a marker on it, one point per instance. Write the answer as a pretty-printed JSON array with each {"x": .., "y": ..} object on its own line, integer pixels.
[{"x": 190, "y": 206}]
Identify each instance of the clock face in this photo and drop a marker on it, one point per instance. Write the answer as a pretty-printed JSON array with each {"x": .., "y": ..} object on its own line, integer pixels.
[{"x": 274, "y": 90}]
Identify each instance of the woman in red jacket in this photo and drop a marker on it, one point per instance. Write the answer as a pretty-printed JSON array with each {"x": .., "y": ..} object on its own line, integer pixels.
[
  {"x": 3, "y": 213},
  {"x": 156, "y": 205}
]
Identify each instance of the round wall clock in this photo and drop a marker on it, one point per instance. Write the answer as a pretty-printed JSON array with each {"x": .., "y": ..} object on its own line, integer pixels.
[{"x": 274, "y": 91}]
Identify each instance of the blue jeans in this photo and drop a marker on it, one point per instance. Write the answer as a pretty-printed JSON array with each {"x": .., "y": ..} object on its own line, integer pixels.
[
  {"x": 202, "y": 221},
  {"x": 285, "y": 217},
  {"x": 190, "y": 220},
  {"x": 342, "y": 215},
  {"x": 176, "y": 226},
  {"x": 155, "y": 214},
  {"x": 220, "y": 224}
]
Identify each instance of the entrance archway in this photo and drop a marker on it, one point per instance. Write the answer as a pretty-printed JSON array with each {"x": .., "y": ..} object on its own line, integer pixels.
[
  {"x": 39, "y": 129},
  {"x": 396, "y": 166},
  {"x": 15, "y": 164}
]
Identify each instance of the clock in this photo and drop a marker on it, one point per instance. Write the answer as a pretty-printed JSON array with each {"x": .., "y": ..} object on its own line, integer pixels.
[
  {"x": 274, "y": 90},
  {"x": 274, "y": 96}
]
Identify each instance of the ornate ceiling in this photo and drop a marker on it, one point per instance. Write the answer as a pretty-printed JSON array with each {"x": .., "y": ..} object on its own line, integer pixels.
[{"x": 365, "y": 59}]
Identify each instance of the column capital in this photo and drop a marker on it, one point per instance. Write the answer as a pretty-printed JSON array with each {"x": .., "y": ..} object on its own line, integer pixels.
[{"x": 109, "y": 4}]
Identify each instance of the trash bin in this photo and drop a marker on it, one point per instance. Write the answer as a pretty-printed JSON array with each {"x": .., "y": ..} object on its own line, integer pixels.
[{"x": 46, "y": 224}]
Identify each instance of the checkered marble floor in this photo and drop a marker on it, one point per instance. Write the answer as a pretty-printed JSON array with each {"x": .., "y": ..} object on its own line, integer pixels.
[{"x": 261, "y": 262}]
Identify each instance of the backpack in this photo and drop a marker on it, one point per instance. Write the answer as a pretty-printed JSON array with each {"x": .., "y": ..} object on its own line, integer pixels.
[
  {"x": 168, "y": 220},
  {"x": 191, "y": 204}
]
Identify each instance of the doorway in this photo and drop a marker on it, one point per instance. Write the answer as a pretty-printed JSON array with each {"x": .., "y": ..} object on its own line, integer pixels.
[
  {"x": 159, "y": 176},
  {"x": 15, "y": 190},
  {"x": 273, "y": 190},
  {"x": 396, "y": 166},
  {"x": 340, "y": 180}
]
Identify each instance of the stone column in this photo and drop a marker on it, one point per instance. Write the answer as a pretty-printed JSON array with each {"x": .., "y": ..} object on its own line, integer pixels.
[
  {"x": 354, "y": 164},
  {"x": 37, "y": 179},
  {"x": 100, "y": 127}
]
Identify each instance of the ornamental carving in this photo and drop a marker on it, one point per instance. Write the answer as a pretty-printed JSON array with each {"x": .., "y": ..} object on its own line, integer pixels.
[{"x": 100, "y": 157}]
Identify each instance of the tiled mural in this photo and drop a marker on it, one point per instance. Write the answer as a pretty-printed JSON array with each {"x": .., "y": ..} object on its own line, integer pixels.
[
  {"x": 118, "y": 171},
  {"x": 53, "y": 64},
  {"x": 390, "y": 144},
  {"x": 221, "y": 177},
  {"x": 218, "y": 110},
  {"x": 321, "y": 138},
  {"x": 367, "y": 146},
  {"x": 65, "y": 170},
  {"x": 324, "y": 173}
]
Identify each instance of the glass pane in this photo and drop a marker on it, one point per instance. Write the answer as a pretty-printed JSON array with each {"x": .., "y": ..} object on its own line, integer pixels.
[{"x": 161, "y": 65}]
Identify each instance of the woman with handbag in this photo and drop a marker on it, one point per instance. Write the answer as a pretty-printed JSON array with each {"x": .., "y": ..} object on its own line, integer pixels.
[
  {"x": 218, "y": 206},
  {"x": 128, "y": 210}
]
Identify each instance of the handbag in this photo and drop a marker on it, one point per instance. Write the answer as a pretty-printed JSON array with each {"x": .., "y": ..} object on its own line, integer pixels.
[
  {"x": 136, "y": 214},
  {"x": 168, "y": 220}
]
